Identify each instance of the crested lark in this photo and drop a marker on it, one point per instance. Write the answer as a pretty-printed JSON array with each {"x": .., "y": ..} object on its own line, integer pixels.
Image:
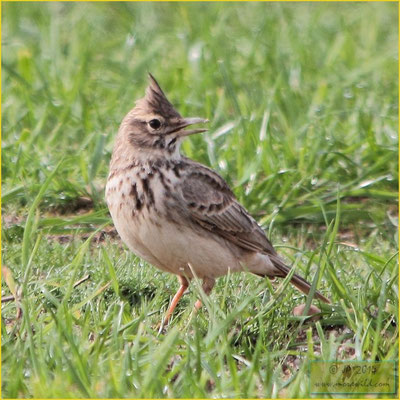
[{"x": 177, "y": 214}]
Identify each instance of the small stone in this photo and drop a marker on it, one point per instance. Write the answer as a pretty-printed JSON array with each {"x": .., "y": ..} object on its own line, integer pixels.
[{"x": 298, "y": 311}]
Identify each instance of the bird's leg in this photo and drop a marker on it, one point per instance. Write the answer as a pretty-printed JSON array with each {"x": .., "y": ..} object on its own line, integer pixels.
[
  {"x": 184, "y": 285},
  {"x": 208, "y": 284}
]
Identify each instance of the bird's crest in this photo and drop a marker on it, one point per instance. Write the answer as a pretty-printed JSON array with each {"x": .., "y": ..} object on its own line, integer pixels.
[{"x": 155, "y": 101}]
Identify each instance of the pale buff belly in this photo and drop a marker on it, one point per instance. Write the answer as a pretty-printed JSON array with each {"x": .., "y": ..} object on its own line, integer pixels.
[
  {"x": 167, "y": 245},
  {"x": 175, "y": 250}
]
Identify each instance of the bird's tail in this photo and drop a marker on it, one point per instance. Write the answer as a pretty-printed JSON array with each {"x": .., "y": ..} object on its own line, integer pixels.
[{"x": 296, "y": 280}]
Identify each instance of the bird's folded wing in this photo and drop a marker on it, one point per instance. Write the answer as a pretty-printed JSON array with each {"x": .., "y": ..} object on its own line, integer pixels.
[{"x": 211, "y": 204}]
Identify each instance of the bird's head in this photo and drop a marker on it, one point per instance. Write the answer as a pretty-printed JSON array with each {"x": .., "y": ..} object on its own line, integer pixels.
[{"x": 155, "y": 126}]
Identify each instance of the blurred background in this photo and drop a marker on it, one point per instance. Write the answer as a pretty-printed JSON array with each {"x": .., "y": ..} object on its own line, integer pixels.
[{"x": 302, "y": 90}]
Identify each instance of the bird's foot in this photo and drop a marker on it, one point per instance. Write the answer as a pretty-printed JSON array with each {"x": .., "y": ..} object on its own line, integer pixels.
[{"x": 162, "y": 327}]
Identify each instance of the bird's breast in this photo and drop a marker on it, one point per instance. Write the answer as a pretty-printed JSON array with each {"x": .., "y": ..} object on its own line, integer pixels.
[
  {"x": 144, "y": 205},
  {"x": 137, "y": 199}
]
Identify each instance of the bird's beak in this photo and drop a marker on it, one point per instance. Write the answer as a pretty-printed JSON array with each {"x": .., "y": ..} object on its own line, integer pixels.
[{"x": 185, "y": 122}]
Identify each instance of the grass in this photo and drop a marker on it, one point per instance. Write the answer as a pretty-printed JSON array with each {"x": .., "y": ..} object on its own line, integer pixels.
[{"x": 303, "y": 104}]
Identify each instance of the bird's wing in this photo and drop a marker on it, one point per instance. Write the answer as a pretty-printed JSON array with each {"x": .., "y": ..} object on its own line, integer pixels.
[{"x": 210, "y": 203}]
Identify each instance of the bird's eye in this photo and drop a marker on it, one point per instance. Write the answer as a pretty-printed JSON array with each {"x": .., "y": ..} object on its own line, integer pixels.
[{"x": 154, "y": 123}]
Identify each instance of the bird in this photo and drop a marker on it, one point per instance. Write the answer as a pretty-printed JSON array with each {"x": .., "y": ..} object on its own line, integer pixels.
[{"x": 177, "y": 214}]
